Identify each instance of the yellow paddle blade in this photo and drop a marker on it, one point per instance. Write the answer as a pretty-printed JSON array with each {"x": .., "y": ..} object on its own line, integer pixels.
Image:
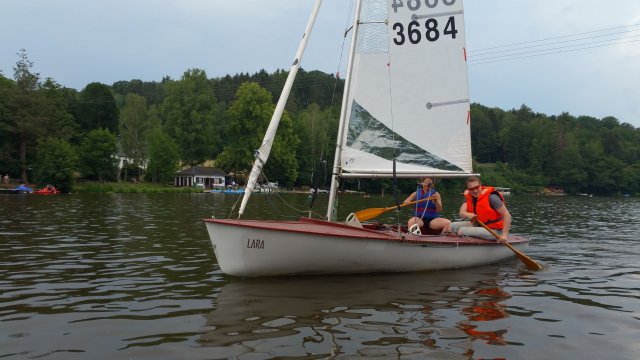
[
  {"x": 367, "y": 214},
  {"x": 528, "y": 262}
]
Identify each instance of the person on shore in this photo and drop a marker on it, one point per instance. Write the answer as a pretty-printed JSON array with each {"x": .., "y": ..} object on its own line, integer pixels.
[
  {"x": 427, "y": 210},
  {"x": 487, "y": 205}
]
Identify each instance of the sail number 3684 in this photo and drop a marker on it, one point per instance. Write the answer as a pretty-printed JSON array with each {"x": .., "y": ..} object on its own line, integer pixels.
[
  {"x": 414, "y": 33},
  {"x": 430, "y": 29}
]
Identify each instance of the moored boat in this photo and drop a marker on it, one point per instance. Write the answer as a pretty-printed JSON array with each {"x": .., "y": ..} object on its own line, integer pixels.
[
  {"x": 20, "y": 189},
  {"x": 13, "y": 191},
  {"x": 47, "y": 190}
]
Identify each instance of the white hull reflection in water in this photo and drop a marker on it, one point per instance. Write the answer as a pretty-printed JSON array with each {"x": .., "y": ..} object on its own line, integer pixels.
[{"x": 382, "y": 316}]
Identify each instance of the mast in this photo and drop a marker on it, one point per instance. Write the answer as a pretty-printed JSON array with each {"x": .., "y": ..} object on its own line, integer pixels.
[
  {"x": 262, "y": 154},
  {"x": 335, "y": 177}
]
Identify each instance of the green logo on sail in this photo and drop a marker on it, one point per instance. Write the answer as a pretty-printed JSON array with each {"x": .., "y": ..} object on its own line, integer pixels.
[{"x": 368, "y": 134}]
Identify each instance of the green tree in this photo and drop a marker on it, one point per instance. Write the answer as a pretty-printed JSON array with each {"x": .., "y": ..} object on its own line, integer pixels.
[
  {"x": 541, "y": 154},
  {"x": 55, "y": 163},
  {"x": 190, "y": 112},
  {"x": 570, "y": 172},
  {"x": 59, "y": 110},
  {"x": 485, "y": 137},
  {"x": 135, "y": 127},
  {"x": 98, "y": 155},
  {"x": 25, "y": 107},
  {"x": 5, "y": 137},
  {"x": 97, "y": 108},
  {"x": 164, "y": 157},
  {"x": 248, "y": 118},
  {"x": 316, "y": 130},
  {"x": 631, "y": 179}
]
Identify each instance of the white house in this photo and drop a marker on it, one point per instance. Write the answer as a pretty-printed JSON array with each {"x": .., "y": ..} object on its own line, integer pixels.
[{"x": 201, "y": 176}]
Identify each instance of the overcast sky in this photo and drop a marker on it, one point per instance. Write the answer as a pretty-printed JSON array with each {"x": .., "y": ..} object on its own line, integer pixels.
[{"x": 76, "y": 42}]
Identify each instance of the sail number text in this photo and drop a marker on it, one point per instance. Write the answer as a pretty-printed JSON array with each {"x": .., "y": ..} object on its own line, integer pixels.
[
  {"x": 415, "y": 5},
  {"x": 430, "y": 30}
]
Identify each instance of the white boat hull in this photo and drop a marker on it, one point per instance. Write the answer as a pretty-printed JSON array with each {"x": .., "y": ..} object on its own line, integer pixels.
[{"x": 267, "y": 248}]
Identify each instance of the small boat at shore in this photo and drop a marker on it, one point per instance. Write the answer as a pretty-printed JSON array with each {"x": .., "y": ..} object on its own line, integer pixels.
[
  {"x": 47, "y": 190},
  {"x": 13, "y": 191},
  {"x": 226, "y": 191},
  {"x": 21, "y": 189}
]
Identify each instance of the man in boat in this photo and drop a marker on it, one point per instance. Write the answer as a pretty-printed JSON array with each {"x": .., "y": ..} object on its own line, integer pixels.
[
  {"x": 485, "y": 204},
  {"x": 427, "y": 210}
]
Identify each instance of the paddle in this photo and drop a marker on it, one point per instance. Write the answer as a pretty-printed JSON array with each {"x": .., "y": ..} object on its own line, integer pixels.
[
  {"x": 532, "y": 265},
  {"x": 367, "y": 214}
]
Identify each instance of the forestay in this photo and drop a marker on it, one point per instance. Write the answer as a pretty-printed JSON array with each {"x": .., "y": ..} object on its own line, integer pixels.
[{"x": 408, "y": 93}]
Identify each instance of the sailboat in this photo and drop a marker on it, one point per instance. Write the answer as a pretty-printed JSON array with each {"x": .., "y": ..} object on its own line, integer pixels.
[{"x": 405, "y": 113}]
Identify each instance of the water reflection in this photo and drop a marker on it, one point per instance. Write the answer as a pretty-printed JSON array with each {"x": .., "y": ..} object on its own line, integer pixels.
[
  {"x": 110, "y": 276},
  {"x": 371, "y": 315}
]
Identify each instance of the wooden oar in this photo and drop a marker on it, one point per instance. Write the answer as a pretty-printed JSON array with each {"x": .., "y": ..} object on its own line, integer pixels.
[
  {"x": 532, "y": 265},
  {"x": 368, "y": 214}
]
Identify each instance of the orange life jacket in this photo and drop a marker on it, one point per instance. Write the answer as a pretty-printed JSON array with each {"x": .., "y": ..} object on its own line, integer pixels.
[{"x": 483, "y": 209}]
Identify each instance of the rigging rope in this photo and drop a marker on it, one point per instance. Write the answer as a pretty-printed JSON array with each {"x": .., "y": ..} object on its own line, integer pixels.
[{"x": 323, "y": 142}]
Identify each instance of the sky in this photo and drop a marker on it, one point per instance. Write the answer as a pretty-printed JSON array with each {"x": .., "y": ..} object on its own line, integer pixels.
[{"x": 575, "y": 56}]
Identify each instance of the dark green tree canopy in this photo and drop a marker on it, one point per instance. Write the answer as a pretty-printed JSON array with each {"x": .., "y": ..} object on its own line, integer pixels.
[
  {"x": 98, "y": 155},
  {"x": 190, "y": 111},
  {"x": 517, "y": 148},
  {"x": 97, "y": 108},
  {"x": 164, "y": 157},
  {"x": 248, "y": 118},
  {"x": 56, "y": 161}
]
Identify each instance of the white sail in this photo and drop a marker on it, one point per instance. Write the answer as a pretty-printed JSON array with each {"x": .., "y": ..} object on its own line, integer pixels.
[
  {"x": 408, "y": 97},
  {"x": 262, "y": 154}
]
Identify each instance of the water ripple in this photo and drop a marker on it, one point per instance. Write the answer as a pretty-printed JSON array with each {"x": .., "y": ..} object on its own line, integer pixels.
[{"x": 133, "y": 275}]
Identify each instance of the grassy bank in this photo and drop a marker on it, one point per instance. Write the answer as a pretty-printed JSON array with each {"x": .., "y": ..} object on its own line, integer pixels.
[{"x": 115, "y": 187}]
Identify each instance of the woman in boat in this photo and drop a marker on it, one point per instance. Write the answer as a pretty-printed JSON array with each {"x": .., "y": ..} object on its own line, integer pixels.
[
  {"x": 427, "y": 210},
  {"x": 487, "y": 205}
]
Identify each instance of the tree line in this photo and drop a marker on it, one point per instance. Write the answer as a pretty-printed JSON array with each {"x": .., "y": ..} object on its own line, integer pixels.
[
  {"x": 578, "y": 154},
  {"x": 58, "y": 135}
]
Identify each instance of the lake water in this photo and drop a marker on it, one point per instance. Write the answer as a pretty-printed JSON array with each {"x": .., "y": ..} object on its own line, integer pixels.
[{"x": 115, "y": 276}]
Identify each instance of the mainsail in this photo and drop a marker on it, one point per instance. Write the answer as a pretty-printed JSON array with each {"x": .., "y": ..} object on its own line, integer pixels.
[{"x": 408, "y": 94}]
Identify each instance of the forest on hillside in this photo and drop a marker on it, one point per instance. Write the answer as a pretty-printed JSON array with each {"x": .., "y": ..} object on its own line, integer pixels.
[{"x": 58, "y": 135}]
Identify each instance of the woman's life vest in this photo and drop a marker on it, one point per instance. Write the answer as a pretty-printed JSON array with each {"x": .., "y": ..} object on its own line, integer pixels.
[
  {"x": 425, "y": 209},
  {"x": 482, "y": 208}
]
